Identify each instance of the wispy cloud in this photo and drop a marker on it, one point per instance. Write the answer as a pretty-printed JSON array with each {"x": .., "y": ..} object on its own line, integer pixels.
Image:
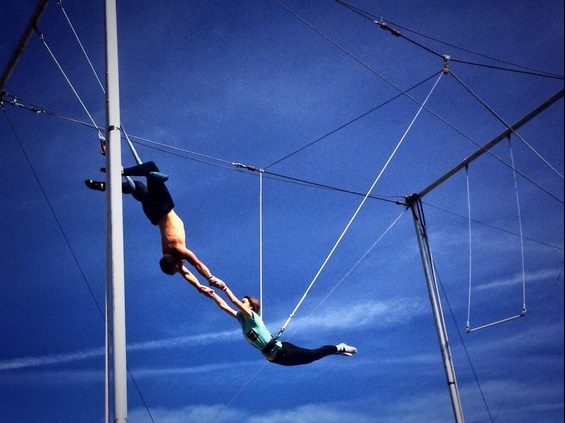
[
  {"x": 364, "y": 314},
  {"x": 310, "y": 413},
  {"x": 56, "y": 359},
  {"x": 537, "y": 276}
]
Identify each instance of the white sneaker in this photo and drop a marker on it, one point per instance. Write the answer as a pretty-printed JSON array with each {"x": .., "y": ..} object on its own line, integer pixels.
[{"x": 344, "y": 349}]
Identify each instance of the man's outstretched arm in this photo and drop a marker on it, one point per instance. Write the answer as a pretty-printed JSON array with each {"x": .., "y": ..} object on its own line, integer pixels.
[
  {"x": 195, "y": 262},
  {"x": 231, "y": 296},
  {"x": 191, "y": 279}
]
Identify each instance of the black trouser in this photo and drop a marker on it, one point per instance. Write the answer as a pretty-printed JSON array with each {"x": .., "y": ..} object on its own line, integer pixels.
[
  {"x": 154, "y": 197},
  {"x": 291, "y": 355}
]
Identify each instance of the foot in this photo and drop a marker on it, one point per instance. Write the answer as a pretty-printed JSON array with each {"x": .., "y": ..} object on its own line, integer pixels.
[
  {"x": 95, "y": 185},
  {"x": 158, "y": 176},
  {"x": 343, "y": 349}
]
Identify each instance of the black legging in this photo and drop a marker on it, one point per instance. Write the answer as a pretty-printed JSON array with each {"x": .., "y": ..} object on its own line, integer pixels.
[
  {"x": 154, "y": 197},
  {"x": 291, "y": 355}
]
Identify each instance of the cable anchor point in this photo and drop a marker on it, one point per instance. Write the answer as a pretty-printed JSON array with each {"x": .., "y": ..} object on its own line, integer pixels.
[
  {"x": 251, "y": 168},
  {"x": 446, "y": 59}
]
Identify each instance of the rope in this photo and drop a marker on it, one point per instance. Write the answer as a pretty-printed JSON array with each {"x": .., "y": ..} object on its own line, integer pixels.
[
  {"x": 395, "y": 32},
  {"x": 506, "y": 124},
  {"x": 102, "y": 141},
  {"x": 42, "y": 38},
  {"x": 521, "y": 231},
  {"x": 467, "y": 326},
  {"x": 60, "y": 3},
  {"x": 523, "y": 267},
  {"x": 339, "y": 128},
  {"x": 261, "y": 310},
  {"x": 354, "y": 267},
  {"x": 358, "y": 210}
]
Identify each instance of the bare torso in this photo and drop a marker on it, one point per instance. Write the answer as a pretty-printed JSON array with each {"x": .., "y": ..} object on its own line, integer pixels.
[{"x": 172, "y": 233}]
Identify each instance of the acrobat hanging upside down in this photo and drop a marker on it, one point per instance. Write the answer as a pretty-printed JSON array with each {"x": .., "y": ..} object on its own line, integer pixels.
[{"x": 158, "y": 206}]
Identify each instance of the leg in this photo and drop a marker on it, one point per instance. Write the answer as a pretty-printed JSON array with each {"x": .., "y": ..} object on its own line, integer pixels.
[
  {"x": 143, "y": 169},
  {"x": 291, "y": 355},
  {"x": 139, "y": 192}
]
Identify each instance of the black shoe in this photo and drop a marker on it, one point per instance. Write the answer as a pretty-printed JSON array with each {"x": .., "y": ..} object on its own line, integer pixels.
[{"x": 95, "y": 185}]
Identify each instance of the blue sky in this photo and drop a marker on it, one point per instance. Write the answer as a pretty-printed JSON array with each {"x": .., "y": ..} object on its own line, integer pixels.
[{"x": 315, "y": 94}]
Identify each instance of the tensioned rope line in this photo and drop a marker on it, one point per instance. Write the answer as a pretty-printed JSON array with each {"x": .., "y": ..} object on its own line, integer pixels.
[
  {"x": 358, "y": 209},
  {"x": 90, "y": 290},
  {"x": 446, "y": 70},
  {"x": 60, "y": 3},
  {"x": 469, "y": 361},
  {"x": 254, "y": 376},
  {"x": 102, "y": 148},
  {"x": 198, "y": 157},
  {"x": 228, "y": 165},
  {"x": 505, "y": 123},
  {"x": 85, "y": 54},
  {"x": 384, "y": 25},
  {"x": 42, "y": 38},
  {"x": 492, "y": 226},
  {"x": 57, "y": 221},
  {"x": 352, "y": 121},
  {"x": 352, "y": 268}
]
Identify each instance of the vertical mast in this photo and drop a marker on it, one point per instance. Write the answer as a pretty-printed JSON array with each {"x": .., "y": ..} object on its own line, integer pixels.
[
  {"x": 415, "y": 204},
  {"x": 115, "y": 290}
]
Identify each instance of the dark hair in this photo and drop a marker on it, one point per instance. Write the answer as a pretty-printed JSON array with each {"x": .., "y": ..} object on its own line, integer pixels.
[
  {"x": 168, "y": 264},
  {"x": 254, "y": 303}
]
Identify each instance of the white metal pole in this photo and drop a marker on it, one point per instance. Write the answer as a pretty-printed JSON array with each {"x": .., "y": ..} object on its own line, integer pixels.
[
  {"x": 421, "y": 233},
  {"x": 114, "y": 213}
]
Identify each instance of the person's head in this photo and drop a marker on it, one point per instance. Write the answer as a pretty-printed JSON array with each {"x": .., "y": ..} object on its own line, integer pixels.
[
  {"x": 253, "y": 303},
  {"x": 169, "y": 264}
]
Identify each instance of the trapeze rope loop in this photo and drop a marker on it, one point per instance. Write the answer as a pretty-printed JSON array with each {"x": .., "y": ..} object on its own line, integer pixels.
[
  {"x": 523, "y": 311},
  {"x": 359, "y": 207}
]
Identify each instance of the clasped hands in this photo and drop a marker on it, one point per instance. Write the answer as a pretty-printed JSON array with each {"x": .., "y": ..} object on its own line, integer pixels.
[{"x": 215, "y": 282}]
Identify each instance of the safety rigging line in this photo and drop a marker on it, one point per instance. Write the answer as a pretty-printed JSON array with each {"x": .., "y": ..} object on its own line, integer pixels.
[
  {"x": 60, "y": 3},
  {"x": 202, "y": 158},
  {"x": 102, "y": 140},
  {"x": 254, "y": 376},
  {"x": 445, "y": 70},
  {"x": 353, "y": 267},
  {"x": 486, "y": 148},
  {"x": 352, "y": 121},
  {"x": 470, "y": 362},
  {"x": 57, "y": 221},
  {"x": 397, "y": 33},
  {"x": 351, "y": 55},
  {"x": 358, "y": 209},
  {"x": 42, "y": 38},
  {"x": 102, "y": 149},
  {"x": 492, "y": 226},
  {"x": 505, "y": 124}
]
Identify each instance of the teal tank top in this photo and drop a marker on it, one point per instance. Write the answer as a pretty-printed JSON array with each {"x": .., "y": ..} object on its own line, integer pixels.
[{"x": 255, "y": 332}]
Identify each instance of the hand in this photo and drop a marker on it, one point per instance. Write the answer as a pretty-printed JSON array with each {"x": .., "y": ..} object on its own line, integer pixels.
[
  {"x": 216, "y": 282},
  {"x": 204, "y": 290}
]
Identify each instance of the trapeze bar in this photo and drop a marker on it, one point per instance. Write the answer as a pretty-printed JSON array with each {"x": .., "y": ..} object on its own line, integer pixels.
[{"x": 495, "y": 323}]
